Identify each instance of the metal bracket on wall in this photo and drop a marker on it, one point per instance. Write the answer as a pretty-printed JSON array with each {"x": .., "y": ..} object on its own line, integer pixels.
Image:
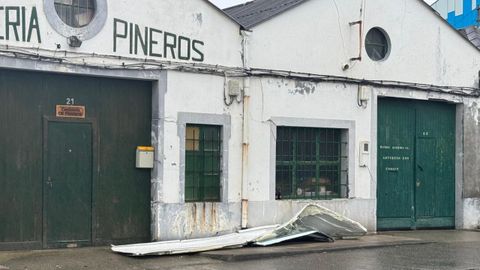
[{"x": 360, "y": 34}]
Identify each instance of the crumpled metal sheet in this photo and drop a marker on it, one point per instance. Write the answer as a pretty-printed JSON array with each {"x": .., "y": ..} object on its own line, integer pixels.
[
  {"x": 317, "y": 222},
  {"x": 313, "y": 221},
  {"x": 238, "y": 239}
]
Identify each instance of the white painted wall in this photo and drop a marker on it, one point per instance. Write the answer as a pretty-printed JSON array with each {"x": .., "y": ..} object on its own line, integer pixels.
[
  {"x": 196, "y": 19},
  {"x": 202, "y": 94},
  {"x": 273, "y": 98},
  {"x": 196, "y": 93},
  {"x": 278, "y": 98},
  {"x": 316, "y": 37}
]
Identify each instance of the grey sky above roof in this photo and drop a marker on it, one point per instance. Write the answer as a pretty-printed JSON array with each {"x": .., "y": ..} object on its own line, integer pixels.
[{"x": 255, "y": 12}]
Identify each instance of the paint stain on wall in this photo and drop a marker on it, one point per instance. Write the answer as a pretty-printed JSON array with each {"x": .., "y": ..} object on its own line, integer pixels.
[
  {"x": 303, "y": 88},
  {"x": 474, "y": 112},
  {"x": 198, "y": 18}
]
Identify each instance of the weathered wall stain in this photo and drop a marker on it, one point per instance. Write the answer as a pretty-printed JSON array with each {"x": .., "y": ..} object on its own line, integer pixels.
[
  {"x": 472, "y": 213},
  {"x": 471, "y": 184},
  {"x": 195, "y": 220},
  {"x": 198, "y": 18},
  {"x": 474, "y": 112},
  {"x": 303, "y": 88}
]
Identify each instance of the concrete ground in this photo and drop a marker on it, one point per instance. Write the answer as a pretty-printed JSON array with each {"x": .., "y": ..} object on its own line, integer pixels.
[{"x": 392, "y": 250}]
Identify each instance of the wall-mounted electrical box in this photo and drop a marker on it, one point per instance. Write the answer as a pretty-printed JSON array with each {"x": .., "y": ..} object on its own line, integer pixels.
[
  {"x": 145, "y": 157},
  {"x": 234, "y": 88},
  {"x": 364, "y": 153},
  {"x": 363, "y": 93}
]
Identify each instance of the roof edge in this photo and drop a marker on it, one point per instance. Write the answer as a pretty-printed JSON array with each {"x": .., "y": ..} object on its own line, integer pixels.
[
  {"x": 226, "y": 14},
  {"x": 238, "y": 5},
  {"x": 249, "y": 26},
  {"x": 283, "y": 11}
]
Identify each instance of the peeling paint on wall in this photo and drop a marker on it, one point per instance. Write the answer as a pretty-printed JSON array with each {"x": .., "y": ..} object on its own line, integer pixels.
[
  {"x": 303, "y": 88},
  {"x": 193, "y": 220},
  {"x": 474, "y": 112},
  {"x": 472, "y": 214}
]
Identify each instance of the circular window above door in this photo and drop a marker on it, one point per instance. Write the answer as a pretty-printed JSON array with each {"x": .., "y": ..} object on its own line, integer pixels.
[
  {"x": 377, "y": 44},
  {"x": 83, "y": 19}
]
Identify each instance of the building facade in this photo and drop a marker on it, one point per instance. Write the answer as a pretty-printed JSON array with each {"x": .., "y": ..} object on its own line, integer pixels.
[
  {"x": 459, "y": 13},
  {"x": 253, "y": 113}
]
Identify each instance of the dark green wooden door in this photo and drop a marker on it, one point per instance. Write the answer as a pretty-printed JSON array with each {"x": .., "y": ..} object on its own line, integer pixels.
[
  {"x": 396, "y": 144},
  {"x": 68, "y": 184},
  {"x": 416, "y": 164},
  {"x": 435, "y": 165},
  {"x": 425, "y": 178},
  {"x": 121, "y": 193}
]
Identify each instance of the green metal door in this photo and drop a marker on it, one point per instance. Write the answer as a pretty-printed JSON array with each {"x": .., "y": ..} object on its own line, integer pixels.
[
  {"x": 416, "y": 164},
  {"x": 68, "y": 184}
]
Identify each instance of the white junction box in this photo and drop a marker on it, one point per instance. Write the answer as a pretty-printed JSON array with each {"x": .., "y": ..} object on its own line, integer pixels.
[
  {"x": 364, "y": 153},
  {"x": 234, "y": 89},
  {"x": 363, "y": 94},
  {"x": 145, "y": 157}
]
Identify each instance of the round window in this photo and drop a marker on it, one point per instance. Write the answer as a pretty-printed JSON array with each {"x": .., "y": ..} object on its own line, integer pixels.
[
  {"x": 75, "y": 13},
  {"x": 83, "y": 19},
  {"x": 377, "y": 44}
]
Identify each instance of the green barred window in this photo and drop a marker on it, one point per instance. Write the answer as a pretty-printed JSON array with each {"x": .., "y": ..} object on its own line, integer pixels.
[
  {"x": 202, "y": 163},
  {"x": 309, "y": 164}
]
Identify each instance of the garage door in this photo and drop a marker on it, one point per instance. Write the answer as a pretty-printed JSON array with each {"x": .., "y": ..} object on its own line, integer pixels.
[
  {"x": 416, "y": 164},
  {"x": 67, "y": 160}
]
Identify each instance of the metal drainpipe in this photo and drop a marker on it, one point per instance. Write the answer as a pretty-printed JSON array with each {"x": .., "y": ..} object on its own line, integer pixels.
[{"x": 245, "y": 134}]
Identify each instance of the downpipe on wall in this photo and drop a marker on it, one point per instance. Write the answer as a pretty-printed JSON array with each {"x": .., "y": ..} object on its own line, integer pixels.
[{"x": 245, "y": 128}]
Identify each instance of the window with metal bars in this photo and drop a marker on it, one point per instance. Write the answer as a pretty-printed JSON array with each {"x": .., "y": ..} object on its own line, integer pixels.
[
  {"x": 75, "y": 13},
  {"x": 203, "y": 155},
  {"x": 309, "y": 163}
]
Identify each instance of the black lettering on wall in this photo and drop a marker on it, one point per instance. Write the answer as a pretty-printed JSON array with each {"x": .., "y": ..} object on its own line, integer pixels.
[
  {"x": 12, "y": 24},
  {"x": 23, "y": 24},
  {"x": 195, "y": 46},
  {"x": 34, "y": 26},
  {"x": 143, "y": 40},
  {"x": 116, "y": 34},
  {"x": 131, "y": 38},
  {"x": 156, "y": 43},
  {"x": 184, "y": 48},
  {"x": 153, "y": 41},
  {"x": 2, "y": 37},
  {"x": 169, "y": 42}
]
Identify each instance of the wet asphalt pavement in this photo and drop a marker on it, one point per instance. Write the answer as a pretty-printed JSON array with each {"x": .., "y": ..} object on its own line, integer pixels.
[{"x": 452, "y": 250}]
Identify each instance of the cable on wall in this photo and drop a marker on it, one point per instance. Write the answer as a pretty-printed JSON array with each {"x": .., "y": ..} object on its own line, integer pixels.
[{"x": 129, "y": 63}]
